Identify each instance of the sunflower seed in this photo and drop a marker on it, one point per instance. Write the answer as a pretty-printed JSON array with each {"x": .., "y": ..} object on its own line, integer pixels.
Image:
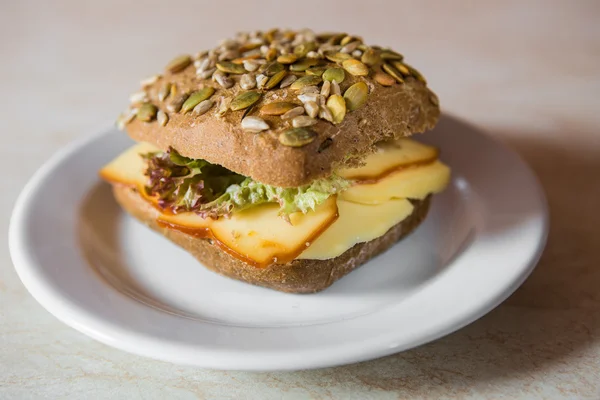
[
  {"x": 355, "y": 67},
  {"x": 198, "y": 63},
  {"x": 294, "y": 112},
  {"x": 383, "y": 79},
  {"x": 261, "y": 81},
  {"x": 304, "y": 98},
  {"x": 287, "y": 81},
  {"x": 204, "y": 64},
  {"x": 325, "y": 113},
  {"x": 201, "y": 55},
  {"x": 335, "y": 88},
  {"x": 325, "y": 89},
  {"x": 313, "y": 54},
  {"x": 304, "y": 64},
  {"x": 149, "y": 80},
  {"x": 297, "y": 137},
  {"x": 275, "y": 79},
  {"x": 178, "y": 64},
  {"x": 176, "y": 102},
  {"x": 146, "y": 112},
  {"x": 302, "y": 121},
  {"x": 224, "y": 103},
  {"x": 334, "y": 74},
  {"x": 370, "y": 57},
  {"x": 356, "y": 53},
  {"x": 196, "y": 97},
  {"x": 203, "y": 107},
  {"x": 250, "y": 65},
  {"x": 162, "y": 117},
  {"x": 138, "y": 97},
  {"x": 356, "y": 96},
  {"x": 277, "y": 108},
  {"x": 164, "y": 91},
  {"x": 247, "y": 82},
  {"x": 287, "y": 58},
  {"x": 312, "y": 108},
  {"x": 206, "y": 74},
  {"x": 231, "y": 68},
  {"x": 393, "y": 71},
  {"x": 126, "y": 118},
  {"x": 302, "y": 49},
  {"x": 254, "y": 124},
  {"x": 318, "y": 71},
  {"x": 229, "y": 55},
  {"x": 309, "y": 89},
  {"x": 245, "y": 100},
  {"x": 223, "y": 80},
  {"x": 307, "y": 80},
  {"x": 350, "y": 47},
  {"x": 337, "y": 105}
]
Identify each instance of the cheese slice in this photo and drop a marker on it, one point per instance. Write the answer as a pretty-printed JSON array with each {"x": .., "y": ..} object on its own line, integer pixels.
[
  {"x": 410, "y": 183},
  {"x": 128, "y": 168},
  {"x": 391, "y": 156},
  {"x": 357, "y": 223}
]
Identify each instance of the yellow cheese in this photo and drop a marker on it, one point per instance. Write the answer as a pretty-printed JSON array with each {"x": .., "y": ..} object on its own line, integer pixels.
[
  {"x": 412, "y": 183},
  {"x": 259, "y": 235},
  {"x": 389, "y": 157},
  {"x": 128, "y": 168},
  {"x": 357, "y": 223}
]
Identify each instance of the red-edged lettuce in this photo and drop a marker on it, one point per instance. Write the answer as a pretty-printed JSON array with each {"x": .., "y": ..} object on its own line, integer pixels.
[{"x": 184, "y": 184}]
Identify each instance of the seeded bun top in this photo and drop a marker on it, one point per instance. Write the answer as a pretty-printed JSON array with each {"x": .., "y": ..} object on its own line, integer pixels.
[{"x": 282, "y": 107}]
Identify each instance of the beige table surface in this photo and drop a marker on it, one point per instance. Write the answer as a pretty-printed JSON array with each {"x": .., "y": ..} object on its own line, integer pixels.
[{"x": 527, "y": 72}]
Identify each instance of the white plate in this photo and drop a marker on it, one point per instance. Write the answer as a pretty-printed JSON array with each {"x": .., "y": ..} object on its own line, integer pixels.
[{"x": 103, "y": 273}]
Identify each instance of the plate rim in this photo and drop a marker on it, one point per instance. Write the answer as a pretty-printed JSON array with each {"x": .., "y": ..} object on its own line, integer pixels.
[{"x": 80, "y": 319}]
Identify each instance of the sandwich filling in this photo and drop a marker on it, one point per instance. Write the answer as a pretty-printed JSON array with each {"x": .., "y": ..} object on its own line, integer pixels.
[{"x": 263, "y": 224}]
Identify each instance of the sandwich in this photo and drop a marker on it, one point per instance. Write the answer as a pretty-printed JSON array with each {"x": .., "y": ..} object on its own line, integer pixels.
[{"x": 281, "y": 158}]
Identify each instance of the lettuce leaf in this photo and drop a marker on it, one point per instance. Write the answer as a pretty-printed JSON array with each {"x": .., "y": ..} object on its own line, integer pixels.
[{"x": 184, "y": 184}]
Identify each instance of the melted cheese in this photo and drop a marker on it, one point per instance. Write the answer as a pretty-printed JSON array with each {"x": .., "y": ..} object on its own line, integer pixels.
[
  {"x": 357, "y": 223},
  {"x": 367, "y": 210}
]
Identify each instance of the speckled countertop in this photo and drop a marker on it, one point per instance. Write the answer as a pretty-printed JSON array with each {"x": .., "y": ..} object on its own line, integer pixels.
[{"x": 527, "y": 72}]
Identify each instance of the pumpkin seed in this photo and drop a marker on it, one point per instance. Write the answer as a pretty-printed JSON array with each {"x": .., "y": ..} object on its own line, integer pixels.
[
  {"x": 355, "y": 67},
  {"x": 336, "y": 38},
  {"x": 337, "y": 57},
  {"x": 303, "y": 121},
  {"x": 297, "y": 137},
  {"x": 350, "y": 47},
  {"x": 334, "y": 74},
  {"x": 370, "y": 57},
  {"x": 383, "y": 79},
  {"x": 337, "y": 106},
  {"x": 196, "y": 97},
  {"x": 203, "y": 107},
  {"x": 277, "y": 108},
  {"x": 244, "y": 100},
  {"x": 434, "y": 100},
  {"x": 304, "y": 64},
  {"x": 271, "y": 69},
  {"x": 254, "y": 124},
  {"x": 318, "y": 71},
  {"x": 302, "y": 49},
  {"x": 147, "y": 112},
  {"x": 391, "y": 55},
  {"x": 231, "y": 68},
  {"x": 348, "y": 38},
  {"x": 271, "y": 54},
  {"x": 308, "y": 80},
  {"x": 416, "y": 74},
  {"x": 275, "y": 79},
  {"x": 400, "y": 66},
  {"x": 294, "y": 112},
  {"x": 164, "y": 91},
  {"x": 312, "y": 108},
  {"x": 356, "y": 95},
  {"x": 179, "y": 63},
  {"x": 247, "y": 81},
  {"x": 162, "y": 117},
  {"x": 287, "y": 81},
  {"x": 390, "y": 69},
  {"x": 287, "y": 58}
]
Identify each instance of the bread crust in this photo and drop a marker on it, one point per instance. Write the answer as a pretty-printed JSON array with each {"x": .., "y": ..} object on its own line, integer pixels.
[
  {"x": 390, "y": 112},
  {"x": 298, "y": 276}
]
